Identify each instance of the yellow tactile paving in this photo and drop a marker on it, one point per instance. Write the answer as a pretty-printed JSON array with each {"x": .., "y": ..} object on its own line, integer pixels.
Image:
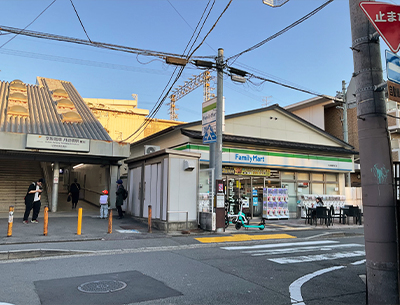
[{"x": 242, "y": 237}]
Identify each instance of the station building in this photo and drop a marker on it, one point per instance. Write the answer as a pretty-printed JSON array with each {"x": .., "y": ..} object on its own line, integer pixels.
[{"x": 47, "y": 131}]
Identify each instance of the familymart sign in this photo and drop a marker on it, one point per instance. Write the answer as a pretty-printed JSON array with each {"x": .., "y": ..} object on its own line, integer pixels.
[{"x": 244, "y": 157}]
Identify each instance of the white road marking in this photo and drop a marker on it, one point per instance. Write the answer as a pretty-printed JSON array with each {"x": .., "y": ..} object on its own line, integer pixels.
[
  {"x": 295, "y": 287},
  {"x": 313, "y": 258},
  {"x": 281, "y": 245},
  {"x": 359, "y": 262},
  {"x": 299, "y": 249}
]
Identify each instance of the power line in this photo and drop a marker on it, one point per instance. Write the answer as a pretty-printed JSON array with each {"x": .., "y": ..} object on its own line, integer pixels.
[
  {"x": 28, "y": 24},
  {"x": 80, "y": 20},
  {"x": 160, "y": 103},
  {"x": 263, "y": 79},
  {"x": 103, "y": 45},
  {"x": 234, "y": 57},
  {"x": 212, "y": 28}
]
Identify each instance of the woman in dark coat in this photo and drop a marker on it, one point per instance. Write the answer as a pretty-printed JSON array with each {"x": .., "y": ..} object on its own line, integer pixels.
[
  {"x": 120, "y": 198},
  {"x": 74, "y": 192}
]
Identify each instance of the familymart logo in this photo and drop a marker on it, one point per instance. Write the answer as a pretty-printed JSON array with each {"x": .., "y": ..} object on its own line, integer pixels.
[{"x": 250, "y": 158}]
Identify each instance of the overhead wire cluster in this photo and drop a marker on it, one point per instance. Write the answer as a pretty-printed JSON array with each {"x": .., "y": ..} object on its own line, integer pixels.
[
  {"x": 188, "y": 57},
  {"x": 164, "y": 95}
]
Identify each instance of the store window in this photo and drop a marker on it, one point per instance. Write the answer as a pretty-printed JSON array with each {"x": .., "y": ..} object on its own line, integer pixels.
[
  {"x": 318, "y": 188},
  {"x": 331, "y": 177},
  {"x": 288, "y": 176},
  {"x": 332, "y": 189},
  {"x": 317, "y": 177},
  {"x": 303, "y": 176}
]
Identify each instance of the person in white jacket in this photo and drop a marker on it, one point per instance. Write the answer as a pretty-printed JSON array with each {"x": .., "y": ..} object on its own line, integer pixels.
[{"x": 104, "y": 205}]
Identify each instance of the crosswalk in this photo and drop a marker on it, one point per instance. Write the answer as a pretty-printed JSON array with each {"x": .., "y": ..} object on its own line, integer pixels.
[{"x": 301, "y": 252}]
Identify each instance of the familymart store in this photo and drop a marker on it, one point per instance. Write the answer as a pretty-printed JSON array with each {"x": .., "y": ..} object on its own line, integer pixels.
[{"x": 248, "y": 173}]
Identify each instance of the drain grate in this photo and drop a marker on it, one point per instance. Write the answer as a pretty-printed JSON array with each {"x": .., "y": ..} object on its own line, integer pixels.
[{"x": 104, "y": 286}]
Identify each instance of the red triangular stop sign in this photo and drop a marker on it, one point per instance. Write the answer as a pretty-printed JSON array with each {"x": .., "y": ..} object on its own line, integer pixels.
[{"x": 386, "y": 20}]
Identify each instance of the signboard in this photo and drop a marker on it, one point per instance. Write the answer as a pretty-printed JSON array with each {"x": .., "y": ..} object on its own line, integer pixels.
[
  {"x": 393, "y": 66},
  {"x": 393, "y": 91},
  {"x": 209, "y": 135},
  {"x": 57, "y": 143},
  {"x": 385, "y": 19},
  {"x": 209, "y": 115}
]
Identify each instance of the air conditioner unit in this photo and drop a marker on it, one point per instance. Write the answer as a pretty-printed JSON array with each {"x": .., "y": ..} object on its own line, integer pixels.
[{"x": 148, "y": 149}]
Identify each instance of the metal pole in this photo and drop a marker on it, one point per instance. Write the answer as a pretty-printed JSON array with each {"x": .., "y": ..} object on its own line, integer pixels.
[
  {"x": 376, "y": 164},
  {"x": 220, "y": 97},
  {"x": 345, "y": 126},
  {"x": 54, "y": 195}
]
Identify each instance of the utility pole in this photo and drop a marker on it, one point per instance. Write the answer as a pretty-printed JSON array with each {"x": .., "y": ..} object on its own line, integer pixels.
[
  {"x": 345, "y": 126},
  {"x": 220, "y": 98},
  {"x": 376, "y": 164}
]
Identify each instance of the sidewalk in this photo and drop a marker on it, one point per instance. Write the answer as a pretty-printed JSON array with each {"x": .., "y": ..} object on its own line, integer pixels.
[{"x": 62, "y": 227}]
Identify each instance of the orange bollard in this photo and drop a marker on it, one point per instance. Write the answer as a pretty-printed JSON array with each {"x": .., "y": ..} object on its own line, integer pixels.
[
  {"x": 45, "y": 220},
  {"x": 109, "y": 221},
  {"x": 149, "y": 219},
  {"x": 79, "y": 228},
  {"x": 10, "y": 220}
]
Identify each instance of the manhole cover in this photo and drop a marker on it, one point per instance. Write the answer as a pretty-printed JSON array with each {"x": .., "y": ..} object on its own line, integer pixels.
[{"x": 105, "y": 286}]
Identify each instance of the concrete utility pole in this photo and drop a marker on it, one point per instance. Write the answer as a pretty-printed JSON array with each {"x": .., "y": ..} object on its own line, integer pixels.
[
  {"x": 220, "y": 98},
  {"x": 376, "y": 164}
]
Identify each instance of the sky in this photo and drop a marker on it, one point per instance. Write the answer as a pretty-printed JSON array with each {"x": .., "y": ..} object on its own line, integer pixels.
[{"x": 315, "y": 55}]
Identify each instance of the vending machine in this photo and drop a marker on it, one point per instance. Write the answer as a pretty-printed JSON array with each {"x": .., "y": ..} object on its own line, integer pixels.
[{"x": 275, "y": 203}]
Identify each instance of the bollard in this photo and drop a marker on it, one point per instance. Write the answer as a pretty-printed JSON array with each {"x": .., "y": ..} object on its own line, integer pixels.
[
  {"x": 10, "y": 220},
  {"x": 79, "y": 229},
  {"x": 109, "y": 221},
  {"x": 45, "y": 220},
  {"x": 149, "y": 219}
]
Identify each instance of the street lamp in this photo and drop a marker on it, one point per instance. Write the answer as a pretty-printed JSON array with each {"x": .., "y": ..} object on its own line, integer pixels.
[{"x": 275, "y": 3}]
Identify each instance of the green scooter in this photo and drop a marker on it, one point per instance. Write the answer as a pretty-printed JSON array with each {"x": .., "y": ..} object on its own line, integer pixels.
[{"x": 242, "y": 220}]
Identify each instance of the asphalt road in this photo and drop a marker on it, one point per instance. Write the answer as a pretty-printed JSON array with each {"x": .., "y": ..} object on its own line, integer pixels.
[{"x": 310, "y": 267}]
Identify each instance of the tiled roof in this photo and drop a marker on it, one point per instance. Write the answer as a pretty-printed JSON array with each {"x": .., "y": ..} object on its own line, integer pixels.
[{"x": 41, "y": 114}]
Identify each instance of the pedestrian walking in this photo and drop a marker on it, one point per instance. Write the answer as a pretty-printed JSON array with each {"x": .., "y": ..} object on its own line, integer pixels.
[
  {"x": 32, "y": 201},
  {"x": 120, "y": 198},
  {"x": 74, "y": 192},
  {"x": 104, "y": 205}
]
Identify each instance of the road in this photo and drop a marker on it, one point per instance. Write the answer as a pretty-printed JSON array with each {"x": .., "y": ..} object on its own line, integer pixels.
[{"x": 275, "y": 267}]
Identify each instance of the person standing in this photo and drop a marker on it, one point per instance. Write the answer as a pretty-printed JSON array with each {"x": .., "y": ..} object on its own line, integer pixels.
[
  {"x": 74, "y": 192},
  {"x": 104, "y": 205},
  {"x": 32, "y": 200},
  {"x": 120, "y": 198}
]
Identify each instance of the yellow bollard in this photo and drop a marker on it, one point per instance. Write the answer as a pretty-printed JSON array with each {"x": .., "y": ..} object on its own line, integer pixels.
[
  {"x": 10, "y": 220},
  {"x": 109, "y": 221},
  {"x": 149, "y": 219},
  {"x": 79, "y": 229},
  {"x": 45, "y": 220}
]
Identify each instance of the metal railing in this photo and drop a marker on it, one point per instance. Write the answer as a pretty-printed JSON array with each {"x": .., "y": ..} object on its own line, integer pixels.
[{"x": 169, "y": 212}]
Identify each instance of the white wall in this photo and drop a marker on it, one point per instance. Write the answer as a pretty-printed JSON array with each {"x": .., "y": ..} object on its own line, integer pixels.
[
  {"x": 97, "y": 179},
  {"x": 275, "y": 125},
  {"x": 182, "y": 190},
  {"x": 313, "y": 114}
]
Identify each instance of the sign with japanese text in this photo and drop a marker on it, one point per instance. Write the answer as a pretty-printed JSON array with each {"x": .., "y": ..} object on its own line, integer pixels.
[
  {"x": 393, "y": 91},
  {"x": 57, "y": 143},
  {"x": 386, "y": 20}
]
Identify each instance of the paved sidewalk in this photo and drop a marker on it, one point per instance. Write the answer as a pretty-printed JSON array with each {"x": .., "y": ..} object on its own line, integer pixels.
[{"x": 62, "y": 227}]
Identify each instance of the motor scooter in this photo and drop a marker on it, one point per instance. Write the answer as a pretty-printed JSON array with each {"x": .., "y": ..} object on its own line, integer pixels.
[{"x": 243, "y": 221}]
